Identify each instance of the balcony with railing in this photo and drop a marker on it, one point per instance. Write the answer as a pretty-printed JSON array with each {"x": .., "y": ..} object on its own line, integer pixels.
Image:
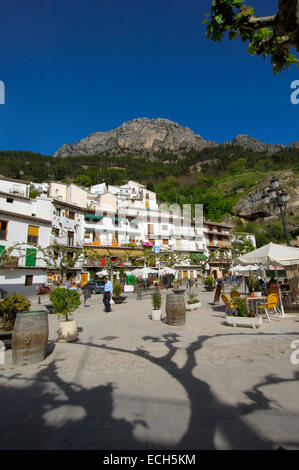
[{"x": 12, "y": 263}]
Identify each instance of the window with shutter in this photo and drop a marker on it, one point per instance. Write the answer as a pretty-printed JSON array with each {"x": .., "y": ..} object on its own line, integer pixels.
[
  {"x": 32, "y": 234},
  {"x": 3, "y": 229},
  {"x": 30, "y": 257}
]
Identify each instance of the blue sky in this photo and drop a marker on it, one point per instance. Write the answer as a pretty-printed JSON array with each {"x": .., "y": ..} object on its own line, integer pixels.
[{"x": 73, "y": 67}]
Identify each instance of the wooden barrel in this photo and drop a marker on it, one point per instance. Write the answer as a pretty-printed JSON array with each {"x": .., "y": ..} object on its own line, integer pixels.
[
  {"x": 30, "y": 337},
  {"x": 175, "y": 309}
]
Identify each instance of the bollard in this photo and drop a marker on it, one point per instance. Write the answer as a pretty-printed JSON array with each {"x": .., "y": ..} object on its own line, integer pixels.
[{"x": 39, "y": 300}]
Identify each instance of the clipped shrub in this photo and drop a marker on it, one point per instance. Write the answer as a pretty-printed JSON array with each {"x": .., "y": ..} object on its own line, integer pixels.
[
  {"x": 10, "y": 306},
  {"x": 64, "y": 301},
  {"x": 156, "y": 300},
  {"x": 117, "y": 289},
  {"x": 209, "y": 283}
]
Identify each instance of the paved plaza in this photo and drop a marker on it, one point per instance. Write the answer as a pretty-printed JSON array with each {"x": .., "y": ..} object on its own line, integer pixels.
[{"x": 133, "y": 383}]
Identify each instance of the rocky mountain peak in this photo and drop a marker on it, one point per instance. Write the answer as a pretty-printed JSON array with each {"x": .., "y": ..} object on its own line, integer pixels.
[
  {"x": 153, "y": 135},
  {"x": 249, "y": 142},
  {"x": 138, "y": 134}
]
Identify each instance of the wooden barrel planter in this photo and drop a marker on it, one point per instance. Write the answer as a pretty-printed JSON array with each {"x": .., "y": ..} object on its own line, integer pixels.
[
  {"x": 175, "y": 309},
  {"x": 30, "y": 337}
]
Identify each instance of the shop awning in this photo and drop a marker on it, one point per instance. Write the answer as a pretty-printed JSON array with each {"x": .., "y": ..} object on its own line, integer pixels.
[
  {"x": 99, "y": 251},
  {"x": 116, "y": 252},
  {"x": 135, "y": 252},
  {"x": 93, "y": 216}
]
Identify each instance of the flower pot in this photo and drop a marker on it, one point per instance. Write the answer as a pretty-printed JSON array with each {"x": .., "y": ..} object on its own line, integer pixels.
[
  {"x": 119, "y": 299},
  {"x": 68, "y": 331},
  {"x": 49, "y": 307},
  {"x": 178, "y": 291},
  {"x": 194, "y": 306},
  {"x": 156, "y": 315},
  {"x": 251, "y": 322}
]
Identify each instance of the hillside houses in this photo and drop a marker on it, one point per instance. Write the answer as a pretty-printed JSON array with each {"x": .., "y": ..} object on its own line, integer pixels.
[{"x": 113, "y": 221}]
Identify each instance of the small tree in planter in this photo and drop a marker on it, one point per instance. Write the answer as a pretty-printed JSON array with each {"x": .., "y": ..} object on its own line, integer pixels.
[
  {"x": 117, "y": 290},
  {"x": 156, "y": 301},
  {"x": 65, "y": 301},
  {"x": 193, "y": 303},
  {"x": 209, "y": 283},
  {"x": 192, "y": 299}
]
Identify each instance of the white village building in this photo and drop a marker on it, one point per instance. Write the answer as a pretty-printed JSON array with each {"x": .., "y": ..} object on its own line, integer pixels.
[
  {"x": 26, "y": 223},
  {"x": 114, "y": 220}
]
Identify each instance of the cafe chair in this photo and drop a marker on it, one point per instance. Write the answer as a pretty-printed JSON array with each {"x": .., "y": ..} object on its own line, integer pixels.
[
  {"x": 272, "y": 290},
  {"x": 271, "y": 304},
  {"x": 235, "y": 294},
  {"x": 227, "y": 302}
]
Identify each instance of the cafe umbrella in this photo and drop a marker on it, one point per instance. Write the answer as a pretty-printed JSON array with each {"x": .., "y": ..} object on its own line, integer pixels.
[{"x": 275, "y": 255}]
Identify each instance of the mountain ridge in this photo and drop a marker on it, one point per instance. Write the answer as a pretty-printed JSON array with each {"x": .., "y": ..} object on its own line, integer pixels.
[{"x": 153, "y": 135}]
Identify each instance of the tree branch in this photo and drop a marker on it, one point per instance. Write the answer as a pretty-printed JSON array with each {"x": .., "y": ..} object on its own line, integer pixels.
[{"x": 262, "y": 22}]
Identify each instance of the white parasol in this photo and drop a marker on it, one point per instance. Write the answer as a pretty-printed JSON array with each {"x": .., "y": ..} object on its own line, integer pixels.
[
  {"x": 275, "y": 255},
  {"x": 245, "y": 269},
  {"x": 144, "y": 272},
  {"x": 166, "y": 270},
  {"x": 104, "y": 272}
]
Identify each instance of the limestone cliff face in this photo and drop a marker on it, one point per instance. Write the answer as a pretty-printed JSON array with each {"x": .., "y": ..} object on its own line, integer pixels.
[
  {"x": 252, "y": 207},
  {"x": 139, "y": 134},
  {"x": 153, "y": 135},
  {"x": 256, "y": 145}
]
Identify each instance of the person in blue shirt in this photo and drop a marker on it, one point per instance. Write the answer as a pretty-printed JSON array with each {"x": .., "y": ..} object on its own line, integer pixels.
[{"x": 107, "y": 294}]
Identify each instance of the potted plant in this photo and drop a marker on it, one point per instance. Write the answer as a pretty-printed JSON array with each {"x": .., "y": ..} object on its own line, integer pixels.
[
  {"x": 240, "y": 315},
  {"x": 192, "y": 303},
  {"x": 257, "y": 288},
  {"x": 117, "y": 290},
  {"x": 156, "y": 301},
  {"x": 65, "y": 301},
  {"x": 177, "y": 289},
  {"x": 209, "y": 283},
  {"x": 9, "y": 307}
]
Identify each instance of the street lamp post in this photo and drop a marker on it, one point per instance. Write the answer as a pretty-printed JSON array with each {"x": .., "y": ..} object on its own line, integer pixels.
[{"x": 275, "y": 198}]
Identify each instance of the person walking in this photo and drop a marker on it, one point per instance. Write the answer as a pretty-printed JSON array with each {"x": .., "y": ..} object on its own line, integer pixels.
[{"x": 107, "y": 294}]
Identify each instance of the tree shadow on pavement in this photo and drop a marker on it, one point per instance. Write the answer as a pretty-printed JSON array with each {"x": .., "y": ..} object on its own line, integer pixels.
[{"x": 51, "y": 412}]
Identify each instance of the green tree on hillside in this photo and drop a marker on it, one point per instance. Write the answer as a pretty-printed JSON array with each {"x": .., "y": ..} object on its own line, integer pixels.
[{"x": 83, "y": 180}]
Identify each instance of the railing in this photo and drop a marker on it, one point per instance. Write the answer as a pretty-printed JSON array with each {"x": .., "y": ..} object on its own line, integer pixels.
[
  {"x": 12, "y": 263},
  {"x": 17, "y": 192},
  {"x": 225, "y": 244}
]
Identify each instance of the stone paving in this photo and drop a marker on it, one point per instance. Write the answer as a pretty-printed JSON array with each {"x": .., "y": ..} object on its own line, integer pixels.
[{"x": 133, "y": 383}]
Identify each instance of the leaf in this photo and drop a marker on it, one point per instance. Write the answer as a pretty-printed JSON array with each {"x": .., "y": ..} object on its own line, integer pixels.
[{"x": 219, "y": 19}]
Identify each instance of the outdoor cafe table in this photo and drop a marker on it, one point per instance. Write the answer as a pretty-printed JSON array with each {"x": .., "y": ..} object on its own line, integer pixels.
[{"x": 253, "y": 301}]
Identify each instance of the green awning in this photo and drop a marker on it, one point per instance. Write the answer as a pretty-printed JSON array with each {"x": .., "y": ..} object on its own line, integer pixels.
[{"x": 95, "y": 217}]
